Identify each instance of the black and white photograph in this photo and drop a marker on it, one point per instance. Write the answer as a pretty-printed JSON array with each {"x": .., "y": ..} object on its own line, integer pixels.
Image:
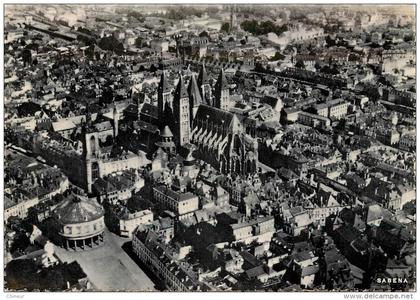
[{"x": 209, "y": 147}]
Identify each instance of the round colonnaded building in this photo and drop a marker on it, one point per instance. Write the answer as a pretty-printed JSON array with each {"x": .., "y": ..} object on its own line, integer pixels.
[{"x": 81, "y": 223}]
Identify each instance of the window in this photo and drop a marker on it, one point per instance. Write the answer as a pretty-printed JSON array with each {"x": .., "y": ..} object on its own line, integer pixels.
[{"x": 68, "y": 229}]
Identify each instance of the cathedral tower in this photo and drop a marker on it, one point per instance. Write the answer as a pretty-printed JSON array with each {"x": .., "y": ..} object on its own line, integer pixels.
[
  {"x": 222, "y": 92},
  {"x": 204, "y": 85},
  {"x": 91, "y": 152},
  {"x": 195, "y": 97},
  {"x": 182, "y": 113},
  {"x": 164, "y": 95}
]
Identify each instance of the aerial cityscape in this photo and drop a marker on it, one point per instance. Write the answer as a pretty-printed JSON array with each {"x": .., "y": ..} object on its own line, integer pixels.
[{"x": 202, "y": 148}]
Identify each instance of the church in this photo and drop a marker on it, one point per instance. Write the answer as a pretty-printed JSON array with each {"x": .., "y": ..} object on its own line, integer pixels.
[{"x": 197, "y": 117}]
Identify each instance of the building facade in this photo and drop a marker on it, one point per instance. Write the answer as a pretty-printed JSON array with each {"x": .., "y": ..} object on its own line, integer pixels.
[{"x": 81, "y": 223}]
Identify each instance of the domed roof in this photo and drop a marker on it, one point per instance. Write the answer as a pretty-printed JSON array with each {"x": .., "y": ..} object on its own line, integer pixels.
[{"x": 78, "y": 209}]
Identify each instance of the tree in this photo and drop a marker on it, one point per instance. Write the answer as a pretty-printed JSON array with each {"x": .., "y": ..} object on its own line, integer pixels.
[
  {"x": 86, "y": 40},
  {"x": 52, "y": 279},
  {"x": 277, "y": 56},
  {"x": 354, "y": 57},
  {"x": 111, "y": 44},
  {"x": 136, "y": 15},
  {"x": 90, "y": 51},
  {"x": 300, "y": 65},
  {"x": 225, "y": 27},
  {"x": 107, "y": 95},
  {"x": 330, "y": 42},
  {"x": 204, "y": 34},
  {"x": 231, "y": 39},
  {"x": 408, "y": 38},
  {"x": 182, "y": 12},
  {"x": 24, "y": 275},
  {"x": 27, "y": 55},
  {"x": 50, "y": 229},
  {"x": 28, "y": 109},
  {"x": 20, "y": 243},
  {"x": 84, "y": 30},
  {"x": 138, "y": 203},
  {"x": 153, "y": 68},
  {"x": 254, "y": 27},
  {"x": 20, "y": 274}
]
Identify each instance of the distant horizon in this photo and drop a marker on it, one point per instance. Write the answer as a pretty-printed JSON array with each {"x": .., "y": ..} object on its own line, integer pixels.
[{"x": 408, "y": 8}]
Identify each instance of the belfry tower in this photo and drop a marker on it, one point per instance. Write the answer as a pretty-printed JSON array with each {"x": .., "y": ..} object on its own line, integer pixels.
[
  {"x": 222, "y": 92},
  {"x": 181, "y": 107},
  {"x": 91, "y": 152}
]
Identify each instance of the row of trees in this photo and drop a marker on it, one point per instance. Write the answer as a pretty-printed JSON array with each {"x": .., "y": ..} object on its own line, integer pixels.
[
  {"x": 183, "y": 13},
  {"x": 136, "y": 15},
  {"x": 261, "y": 28}
]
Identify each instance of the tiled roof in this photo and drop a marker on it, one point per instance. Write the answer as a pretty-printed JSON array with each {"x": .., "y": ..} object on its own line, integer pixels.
[{"x": 77, "y": 209}]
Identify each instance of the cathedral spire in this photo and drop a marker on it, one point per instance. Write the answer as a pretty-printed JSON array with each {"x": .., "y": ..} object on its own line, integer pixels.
[
  {"x": 164, "y": 86},
  {"x": 204, "y": 85},
  {"x": 180, "y": 91},
  {"x": 164, "y": 95},
  {"x": 195, "y": 97},
  {"x": 194, "y": 92},
  {"x": 202, "y": 76},
  {"x": 222, "y": 83},
  {"x": 222, "y": 92}
]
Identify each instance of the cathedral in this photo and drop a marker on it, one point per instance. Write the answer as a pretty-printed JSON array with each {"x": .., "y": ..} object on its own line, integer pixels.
[
  {"x": 195, "y": 116},
  {"x": 221, "y": 141}
]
